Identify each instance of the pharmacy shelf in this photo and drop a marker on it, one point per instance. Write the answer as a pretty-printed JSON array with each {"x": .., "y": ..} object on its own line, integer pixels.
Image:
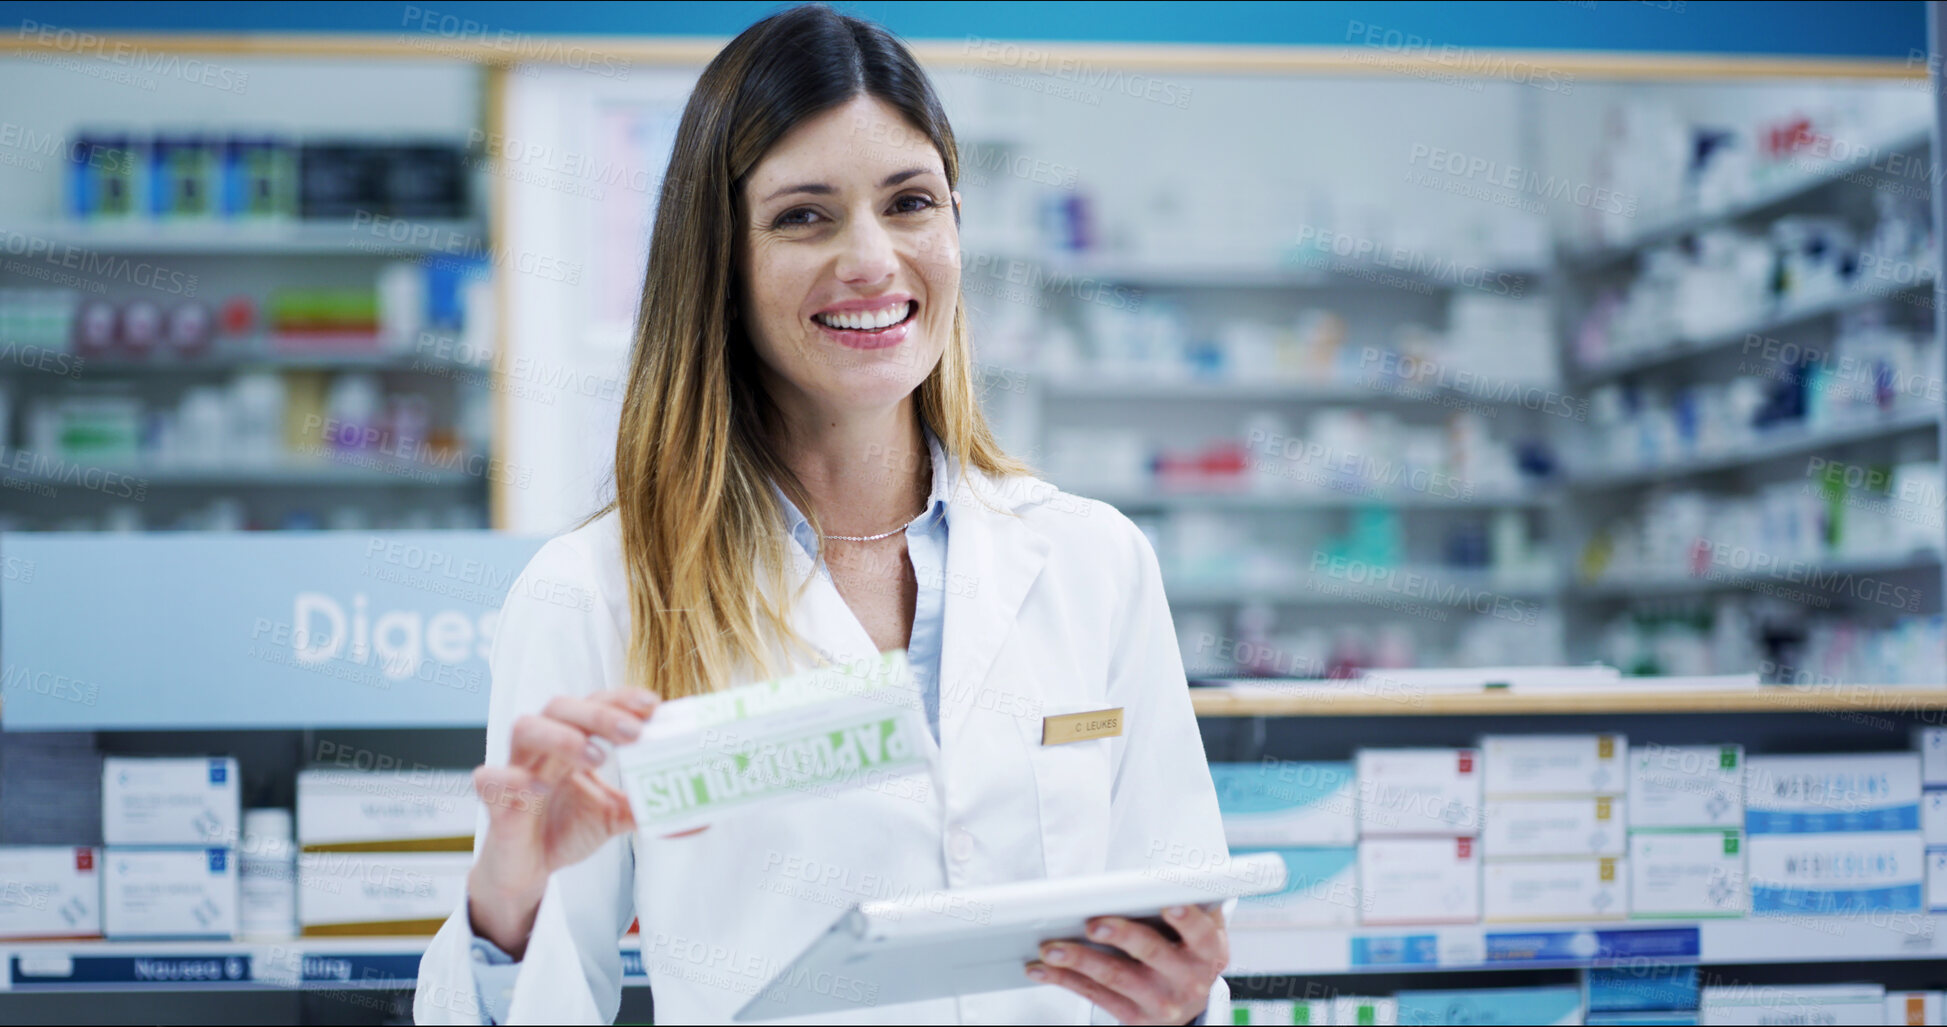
[
  {"x": 1267, "y": 952},
  {"x": 241, "y": 360},
  {"x": 349, "y": 238},
  {"x": 393, "y": 963},
  {"x": 310, "y": 964},
  {"x": 1353, "y": 698},
  {"x": 1690, "y": 346},
  {"x": 1430, "y": 588},
  {"x": 1777, "y": 443},
  {"x": 1161, "y": 499},
  {"x": 1781, "y": 190},
  {"x": 1079, "y": 385},
  {"x": 82, "y": 476},
  {"x": 1318, "y": 269},
  {"x": 1795, "y": 574}
]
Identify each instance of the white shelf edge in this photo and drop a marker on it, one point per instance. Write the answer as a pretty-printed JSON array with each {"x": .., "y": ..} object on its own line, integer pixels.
[
  {"x": 1770, "y": 445},
  {"x": 307, "y": 237},
  {"x": 1685, "y": 347},
  {"x": 1276, "y": 952}
]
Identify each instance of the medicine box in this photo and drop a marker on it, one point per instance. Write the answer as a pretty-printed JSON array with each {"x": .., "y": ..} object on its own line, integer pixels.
[
  {"x": 1282, "y": 803},
  {"x": 1321, "y": 889},
  {"x": 1527, "y": 890},
  {"x": 1686, "y": 874},
  {"x": 364, "y": 893},
  {"x": 407, "y": 810},
  {"x": 50, "y": 891},
  {"x": 170, "y": 801},
  {"x": 1281, "y": 1011},
  {"x": 1824, "y": 794},
  {"x": 169, "y": 893},
  {"x": 1555, "y": 764},
  {"x": 1686, "y": 786},
  {"x": 1933, "y": 817},
  {"x": 1797, "y": 1003},
  {"x": 1937, "y": 881},
  {"x": 1646, "y": 987},
  {"x": 1419, "y": 792},
  {"x": 1917, "y": 1008},
  {"x": 1419, "y": 881},
  {"x": 1860, "y": 872},
  {"x": 1380, "y": 1011},
  {"x": 1491, "y": 1006},
  {"x": 1932, "y": 744},
  {"x": 1582, "y": 826}
]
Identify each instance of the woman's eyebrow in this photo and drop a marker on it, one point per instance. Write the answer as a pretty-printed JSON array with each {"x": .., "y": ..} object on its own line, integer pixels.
[{"x": 821, "y": 189}]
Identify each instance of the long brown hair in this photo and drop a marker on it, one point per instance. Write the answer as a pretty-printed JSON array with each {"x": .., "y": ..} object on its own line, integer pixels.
[{"x": 702, "y": 531}]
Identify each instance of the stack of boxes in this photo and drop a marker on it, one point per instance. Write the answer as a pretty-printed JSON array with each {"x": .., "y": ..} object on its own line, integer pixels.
[
  {"x": 1933, "y": 815},
  {"x": 1555, "y": 834},
  {"x": 1419, "y": 836},
  {"x": 171, "y": 825},
  {"x": 1686, "y": 831},
  {"x": 1305, "y": 813},
  {"x": 1836, "y": 834},
  {"x": 50, "y": 824},
  {"x": 383, "y": 853}
]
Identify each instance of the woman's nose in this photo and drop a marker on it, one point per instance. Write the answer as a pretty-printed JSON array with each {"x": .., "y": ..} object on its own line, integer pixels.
[{"x": 866, "y": 255}]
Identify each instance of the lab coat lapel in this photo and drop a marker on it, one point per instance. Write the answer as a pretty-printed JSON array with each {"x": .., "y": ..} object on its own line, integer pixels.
[{"x": 992, "y": 560}]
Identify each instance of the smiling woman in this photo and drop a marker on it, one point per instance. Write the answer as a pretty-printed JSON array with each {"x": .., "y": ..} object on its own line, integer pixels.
[{"x": 803, "y": 475}]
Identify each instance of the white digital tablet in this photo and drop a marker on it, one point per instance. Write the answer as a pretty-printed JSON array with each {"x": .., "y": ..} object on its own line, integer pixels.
[{"x": 946, "y": 943}]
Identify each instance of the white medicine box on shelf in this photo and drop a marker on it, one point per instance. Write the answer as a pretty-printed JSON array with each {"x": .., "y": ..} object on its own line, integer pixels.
[
  {"x": 1419, "y": 881},
  {"x": 169, "y": 893},
  {"x": 1285, "y": 803},
  {"x": 1536, "y": 890},
  {"x": 1583, "y": 825},
  {"x": 423, "y": 809},
  {"x": 1555, "y": 764},
  {"x": 50, "y": 891},
  {"x": 1419, "y": 792},
  {"x": 1687, "y": 874},
  {"x": 356, "y": 893},
  {"x": 170, "y": 801},
  {"x": 1686, "y": 786}
]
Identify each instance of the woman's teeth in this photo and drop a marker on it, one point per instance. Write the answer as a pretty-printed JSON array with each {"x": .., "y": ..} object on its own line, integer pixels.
[{"x": 866, "y": 320}]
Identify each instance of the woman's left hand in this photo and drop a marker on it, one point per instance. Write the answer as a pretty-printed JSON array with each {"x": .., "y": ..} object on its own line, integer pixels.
[{"x": 1158, "y": 981}]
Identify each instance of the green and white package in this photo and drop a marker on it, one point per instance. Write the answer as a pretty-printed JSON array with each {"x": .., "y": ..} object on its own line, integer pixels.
[{"x": 816, "y": 733}]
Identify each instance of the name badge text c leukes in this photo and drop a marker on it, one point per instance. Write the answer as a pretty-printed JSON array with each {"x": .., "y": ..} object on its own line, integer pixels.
[{"x": 1080, "y": 727}]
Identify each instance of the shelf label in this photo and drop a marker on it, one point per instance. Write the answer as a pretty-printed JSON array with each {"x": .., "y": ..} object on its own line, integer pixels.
[
  {"x": 30, "y": 971},
  {"x": 1593, "y": 946},
  {"x": 1396, "y": 950}
]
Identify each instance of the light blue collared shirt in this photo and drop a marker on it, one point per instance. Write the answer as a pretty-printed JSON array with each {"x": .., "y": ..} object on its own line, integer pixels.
[
  {"x": 926, "y": 537},
  {"x": 494, "y": 970}
]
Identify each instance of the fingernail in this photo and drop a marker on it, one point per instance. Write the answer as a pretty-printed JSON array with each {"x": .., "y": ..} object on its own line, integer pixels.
[
  {"x": 1035, "y": 973},
  {"x": 593, "y": 754},
  {"x": 1100, "y": 932},
  {"x": 1058, "y": 956},
  {"x": 628, "y": 728},
  {"x": 1175, "y": 912}
]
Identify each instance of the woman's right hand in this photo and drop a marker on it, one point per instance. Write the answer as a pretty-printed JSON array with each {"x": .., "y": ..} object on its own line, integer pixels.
[{"x": 547, "y": 808}]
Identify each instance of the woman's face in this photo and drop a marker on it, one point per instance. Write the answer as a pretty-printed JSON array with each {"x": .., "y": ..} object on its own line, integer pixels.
[{"x": 851, "y": 261}]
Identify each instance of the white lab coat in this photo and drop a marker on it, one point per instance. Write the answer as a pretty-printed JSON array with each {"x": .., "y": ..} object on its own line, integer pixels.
[{"x": 1054, "y": 604}]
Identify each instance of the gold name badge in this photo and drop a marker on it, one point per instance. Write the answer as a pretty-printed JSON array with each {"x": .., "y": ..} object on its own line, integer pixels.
[{"x": 1080, "y": 727}]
